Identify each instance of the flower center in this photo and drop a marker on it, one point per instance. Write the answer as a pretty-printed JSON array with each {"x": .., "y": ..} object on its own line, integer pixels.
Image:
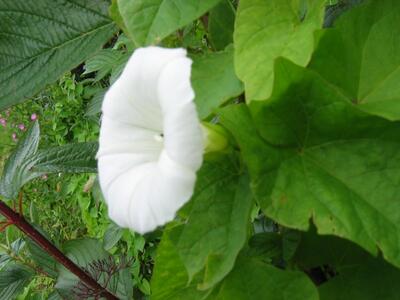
[{"x": 159, "y": 137}]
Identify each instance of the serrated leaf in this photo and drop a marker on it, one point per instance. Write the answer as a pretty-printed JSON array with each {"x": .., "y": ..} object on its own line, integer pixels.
[
  {"x": 27, "y": 162},
  {"x": 44, "y": 261},
  {"x": 366, "y": 64},
  {"x": 266, "y": 30},
  {"x": 149, "y": 21},
  {"x": 314, "y": 153},
  {"x": 42, "y": 39},
  {"x": 221, "y": 22},
  {"x": 253, "y": 279},
  {"x": 102, "y": 62},
  {"x": 16, "y": 172},
  {"x": 94, "y": 106},
  {"x": 13, "y": 278},
  {"x": 70, "y": 158},
  {"x": 214, "y": 81},
  {"x": 218, "y": 216},
  {"x": 112, "y": 236},
  {"x": 83, "y": 252}
]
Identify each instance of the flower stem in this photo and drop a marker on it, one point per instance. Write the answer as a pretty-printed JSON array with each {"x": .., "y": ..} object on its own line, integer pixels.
[{"x": 19, "y": 221}]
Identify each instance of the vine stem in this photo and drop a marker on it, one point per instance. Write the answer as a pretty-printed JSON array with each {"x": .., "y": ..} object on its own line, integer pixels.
[{"x": 19, "y": 221}]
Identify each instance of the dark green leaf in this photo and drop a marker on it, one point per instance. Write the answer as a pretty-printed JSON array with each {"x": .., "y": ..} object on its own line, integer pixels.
[
  {"x": 221, "y": 23},
  {"x": 44, "y": 261},
  {"x": 352, "y": 273},
  {"x": 71, "y": 158},
  {"x": 16, "y": 171},
  {"x": 13, "y": 278},
  {"x": 253, "y": 279},
  {"x": 42, "y": 39},
  {"x": 27, "y": 163},
  {"x": 94, "y": 106},
  {"x": 112, "y": 236},
  {"x": 83, "y": 252}
]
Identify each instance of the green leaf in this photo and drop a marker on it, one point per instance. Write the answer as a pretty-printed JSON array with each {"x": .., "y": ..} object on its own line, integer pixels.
[
  {"x": 214, "y": 81},
  {"x": 266, "y": 30},
  {"x": 45, "y": 261},
  {"x": 170, "y": 278},
  {"x": 253, "y": 279},
  {"x": 112, "y": 236},
  {"x": 27, "y": 163},
  {"x": 218, "y": 216},
  {"x": 83, "y": 252},
  {"x": 314, "y": 155},
  {"x": 360, "y": 57},
  {"x": 103, "y": 62},
  {"x": 16, "y": 173},
  {"x": 275, "y": 247},
  {"x": 71, "y": 158},
  {"x": 356, "y": 275},
  {"x": 149, "y": 21},
  {"x": 221, "y": 22},
  {"x": 94, "y": 106},
  {"x": 13, "y": 278},
  {"x": 42, "y": 39}
]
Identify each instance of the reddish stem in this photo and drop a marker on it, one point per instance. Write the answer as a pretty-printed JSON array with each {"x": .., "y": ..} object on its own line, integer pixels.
[{"x": 19, "y": 221}]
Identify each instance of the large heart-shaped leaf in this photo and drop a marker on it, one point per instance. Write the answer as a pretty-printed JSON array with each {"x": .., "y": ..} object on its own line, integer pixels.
[
  {"x": 42, "y": 39},
  {"x": 314, "y": 155}
]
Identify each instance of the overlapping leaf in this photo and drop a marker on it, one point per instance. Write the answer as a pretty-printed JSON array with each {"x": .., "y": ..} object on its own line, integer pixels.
[
  {"x": 360, "y": 57},
  {"x": 253, "y": 279},
  {"x": 13, "y": 278},
  {"x": 217, "y": 221},
  {"x": 214, "y": 81},
  {"x": 352, "y": 274},
  {"x": 266, "y": 30},
  {"x": 314, "y": 155},
  {"x": 27, "y": 162}
]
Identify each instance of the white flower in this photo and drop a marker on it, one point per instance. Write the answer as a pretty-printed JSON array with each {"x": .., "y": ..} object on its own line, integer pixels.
[{"x": 151, "y": 143}]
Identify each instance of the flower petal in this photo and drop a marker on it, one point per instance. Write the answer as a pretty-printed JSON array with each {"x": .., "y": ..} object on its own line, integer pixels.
[
  {"x": 147, "y": 177},
  {"x": 182, "y": 132},
  {"x": 133, "y": 97}
]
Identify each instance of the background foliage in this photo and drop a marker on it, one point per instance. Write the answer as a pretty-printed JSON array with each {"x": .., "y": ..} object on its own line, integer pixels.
[{"x": 303, "y": 204}]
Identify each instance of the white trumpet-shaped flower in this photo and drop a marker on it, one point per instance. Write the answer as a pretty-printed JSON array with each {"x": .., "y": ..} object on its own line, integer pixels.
[{"x": 151, "y": 142}]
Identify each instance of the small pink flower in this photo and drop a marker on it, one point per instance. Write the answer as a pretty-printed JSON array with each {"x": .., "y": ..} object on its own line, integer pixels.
[
  {"x": 14, "y": 137},
  {"x": 44, "y": 177},
  {"x": 34, "y": 117},
  {"x": 3, "y": 122},
  {"x": 21, "y": 127}
]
